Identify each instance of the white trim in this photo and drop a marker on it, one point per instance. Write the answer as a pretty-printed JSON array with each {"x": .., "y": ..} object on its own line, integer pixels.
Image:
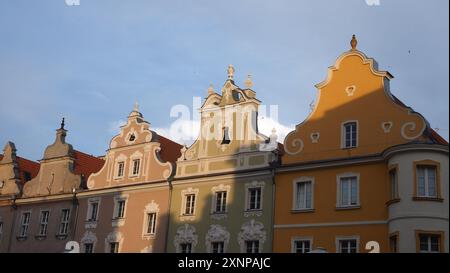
[
  {"x": 217, "y": 233},
  {"x": 121, "y": 158},
  {"x": 151, "y": 207},
  {"x": 88, "y": 222},
  {"x": 341, "y": 238},
  {"x": 254, "y": 212},
  {"x": 184, "y": 194},
  {"x": 220, "y": 188},
  {"x": 302, "y": 179},
  {"x": 301, "y": 238},
  {"x": 63, "y": 222},
  {"x": 114, "y": 237},
  {"x": 186, "y": 234},
  {"x": 252, "y": 231},
  {"x": 135, "y": 156},
  {"x": 343, "y": 134},
  {"x": 21, "y": 223},
  {"x": 88, "y": 238},
  {"x": 40, "y": 223},
  {"x": 333, "y": 224},
  {"x": 119, "y": 221},
  {"x": 338, "y": 189}
]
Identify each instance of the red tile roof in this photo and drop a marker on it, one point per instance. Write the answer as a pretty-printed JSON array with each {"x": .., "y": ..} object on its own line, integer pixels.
[
  {"x": 170, "y": 150},
  {"x": 26, "y": 165},
  {"x": 86, "y": 164}
]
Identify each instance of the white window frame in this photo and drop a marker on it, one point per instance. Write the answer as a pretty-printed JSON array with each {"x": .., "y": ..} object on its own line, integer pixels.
[
  {"x": 253, "y": 212},
  {"x": 88, "y": 243},
  {"x": 294, "y": 241},
  {"x": 114, "y": 237},
  {"x": 64, "y": 221},
  {"x": 393, "y": 179},
  {"x": 215, "y": 190},
  {"x": 343, "y": 135},
  {"x": 151, "y": 207},
  {"x": 429, "y": 243},
  {"x": 89, "y": 237},
  {"x": 338, "y": 190},
  {"x": 120, "y": 159},
  {"x": 91, "y": 201},
  {"x": 253, "y": 247},
  {"x": 218, "y": 242},
  {"x": 24, "y": 226},
  {"x": 184, "y": 194},
  {"x": 346, "y": 238},
  {"x": 43, "y": 223},
  {"x": 426, "y": 181},
  {"x": 295, "y": 183},
  {"x": 187, "y": 244},
  {"x": 116, "y": 220},
  {"x": 136, "y": 156}
]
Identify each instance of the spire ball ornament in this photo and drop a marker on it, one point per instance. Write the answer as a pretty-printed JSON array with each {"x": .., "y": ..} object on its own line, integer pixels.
[{"x": 230, "y": 72}]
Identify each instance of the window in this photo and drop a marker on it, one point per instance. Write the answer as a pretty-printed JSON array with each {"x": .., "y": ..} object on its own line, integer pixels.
[
  {"x": 226, "y": 136},
  {"x": 221, "y": 202},
  {"x": 93, "y": 211},
  {"x": 349, "y": 135},
  {"x": 120, "y": 208},
  {"x": 252, "y": 246},
  {"x": 303, "y": 195},
  {"x": 426, "y": 181},
  {"x": 254, "y": 200},
  {"x": 88, "y": 248},
  {"x": 190, "y": 204},
  {"x": 114, "y": 247},
  {"x": 136, "y": 164},
  {"x": 132, "y": 138},
  {"x": 24, "y": 224},
  {"x": 64, "y": 225},
  {"x": 302, "y": 246},
  {"x": 1, "y": 230},
  {"x": 348, "y": 246},
  {"x": 393, "y": 243},
  {"x": 348, "y": 191},
  {"x": 151, "y": 223},
  {"x": 27, "y": 176},
  {"x": 43, "y": 224},
  {"x": 217, "y": 247},
  {"x": 394, "y": 183},
  {"x": 429, "y": 243},
  {"x": 186, "y": 248},
  {"x": 120, "y": 169}
]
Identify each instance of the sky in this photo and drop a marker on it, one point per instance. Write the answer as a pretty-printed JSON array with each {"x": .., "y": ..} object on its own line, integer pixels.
[{"x": 90, "y": 63}]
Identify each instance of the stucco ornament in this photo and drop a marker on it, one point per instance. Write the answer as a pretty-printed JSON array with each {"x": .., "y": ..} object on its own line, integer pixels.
[
  {"x": 186, "y": 234},
  {"x": 252, "y": 231},
  {"x": 217, "y": 233}
]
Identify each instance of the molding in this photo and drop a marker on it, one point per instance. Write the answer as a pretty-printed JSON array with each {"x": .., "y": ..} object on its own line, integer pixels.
[
  {"x": 185, "y": 234},
  {"x": 220, "y": 188},
  {"x": 151, "y": 207},
  {"x": 334, "y": 224},
  {"x": 301, "y": 238},
  {"x": 89, "y": 238},
  {"x": 217, "y": 233},
  {"x": 352, "y": 237},
  {"x": 294, "y": 193},
  {"x": 339, "y": 204},
  {"x": 252, "y": 231},
  {"x": 254, "y": 212},
  {"x": 114, "y": 237}
]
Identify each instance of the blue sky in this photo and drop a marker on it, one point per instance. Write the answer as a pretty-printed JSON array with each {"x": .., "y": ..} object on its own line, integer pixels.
[{"x": 90, "y": 63}]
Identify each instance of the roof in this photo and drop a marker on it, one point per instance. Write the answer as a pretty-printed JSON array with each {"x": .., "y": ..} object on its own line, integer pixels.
[
  {"x": 170, "y": 150},
  {"x": 86, "y": 164},
  {"x": 26, "y": 165}
]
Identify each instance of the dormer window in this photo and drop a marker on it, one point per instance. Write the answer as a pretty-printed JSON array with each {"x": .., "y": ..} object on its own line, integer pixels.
[
  {"x": 26, "y": 176},
  {"x": 132, "y": 137},
  {"x": 226, "y": 136}
]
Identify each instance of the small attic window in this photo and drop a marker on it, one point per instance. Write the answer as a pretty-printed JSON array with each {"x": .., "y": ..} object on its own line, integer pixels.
[
  {"x": 132, "y": 137},
  {"x": 226, "y": 136}
]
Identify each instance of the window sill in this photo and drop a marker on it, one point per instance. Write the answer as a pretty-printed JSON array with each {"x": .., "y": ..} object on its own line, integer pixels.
[
  {"x": 218, "y": 215},
  {"x": 90, "y": 224},
  {"x": 21, "y": 238},
  {"x": 148, "y": 236},
  {"x": 302, "y": 210},
  {"x": 133, "y": 176},
  {"x": 119, "y": 177},
  {"x": 187, "y": 217},
  {"x": 61, "y": 236},
  {"x": 392, "y": 201},
  {"x": 253, "y": 212},
  {"x": 117, "y": 222},
  {"x": 426, "y": 198},
  {"x": 40, "y": 237},
  {"x": 348, "y": 207}
]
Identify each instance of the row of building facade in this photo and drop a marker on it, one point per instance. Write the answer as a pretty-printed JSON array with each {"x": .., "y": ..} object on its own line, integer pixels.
[{"x": 362, "y": 173}]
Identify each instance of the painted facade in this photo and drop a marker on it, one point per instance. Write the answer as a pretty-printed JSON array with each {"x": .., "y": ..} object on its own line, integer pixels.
[
  {"x": 125, "y": 207},
  {"x": 222, "y": 192},
  {"x": 349, "y": 170},
  {"x": 363, "y": 172}
]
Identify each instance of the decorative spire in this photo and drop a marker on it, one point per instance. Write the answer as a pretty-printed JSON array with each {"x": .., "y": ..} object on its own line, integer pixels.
[
  {"x": 136, "y": 106},
  {"x": 353, "y": 42},
  {"x": 249, "y": 82},
  {"x": 230, "y": 72},
  {"x": 62, "y": 124},
  {"x": 210, "y": 89}
]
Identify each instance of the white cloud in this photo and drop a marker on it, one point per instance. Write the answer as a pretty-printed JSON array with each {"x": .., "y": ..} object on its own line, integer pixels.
[{"x": 267, "y": 124}]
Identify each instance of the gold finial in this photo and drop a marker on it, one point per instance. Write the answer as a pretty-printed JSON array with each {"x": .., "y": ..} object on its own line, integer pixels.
[
  {"x": 249, "y": 81},
  {"x": 230, "y": 72},
  {"x": 210, "y": 89},
  {"x": 136, "y": 107},
  {"x": 353, "y": 42}
]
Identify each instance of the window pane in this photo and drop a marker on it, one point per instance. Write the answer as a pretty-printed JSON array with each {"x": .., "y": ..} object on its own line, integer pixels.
[
  {"x": 344, "y": 192},
  {"x": 421, "y": 181},
  {"x": 308, "y": 195},
  {"x": 354, "y": 191},
  {"x": 431, "y": 172},
  {"x": 300, "y": 195}
]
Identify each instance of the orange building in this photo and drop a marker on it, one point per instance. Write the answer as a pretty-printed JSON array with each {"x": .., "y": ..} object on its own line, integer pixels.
[{"x": 362, "y": 172}]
